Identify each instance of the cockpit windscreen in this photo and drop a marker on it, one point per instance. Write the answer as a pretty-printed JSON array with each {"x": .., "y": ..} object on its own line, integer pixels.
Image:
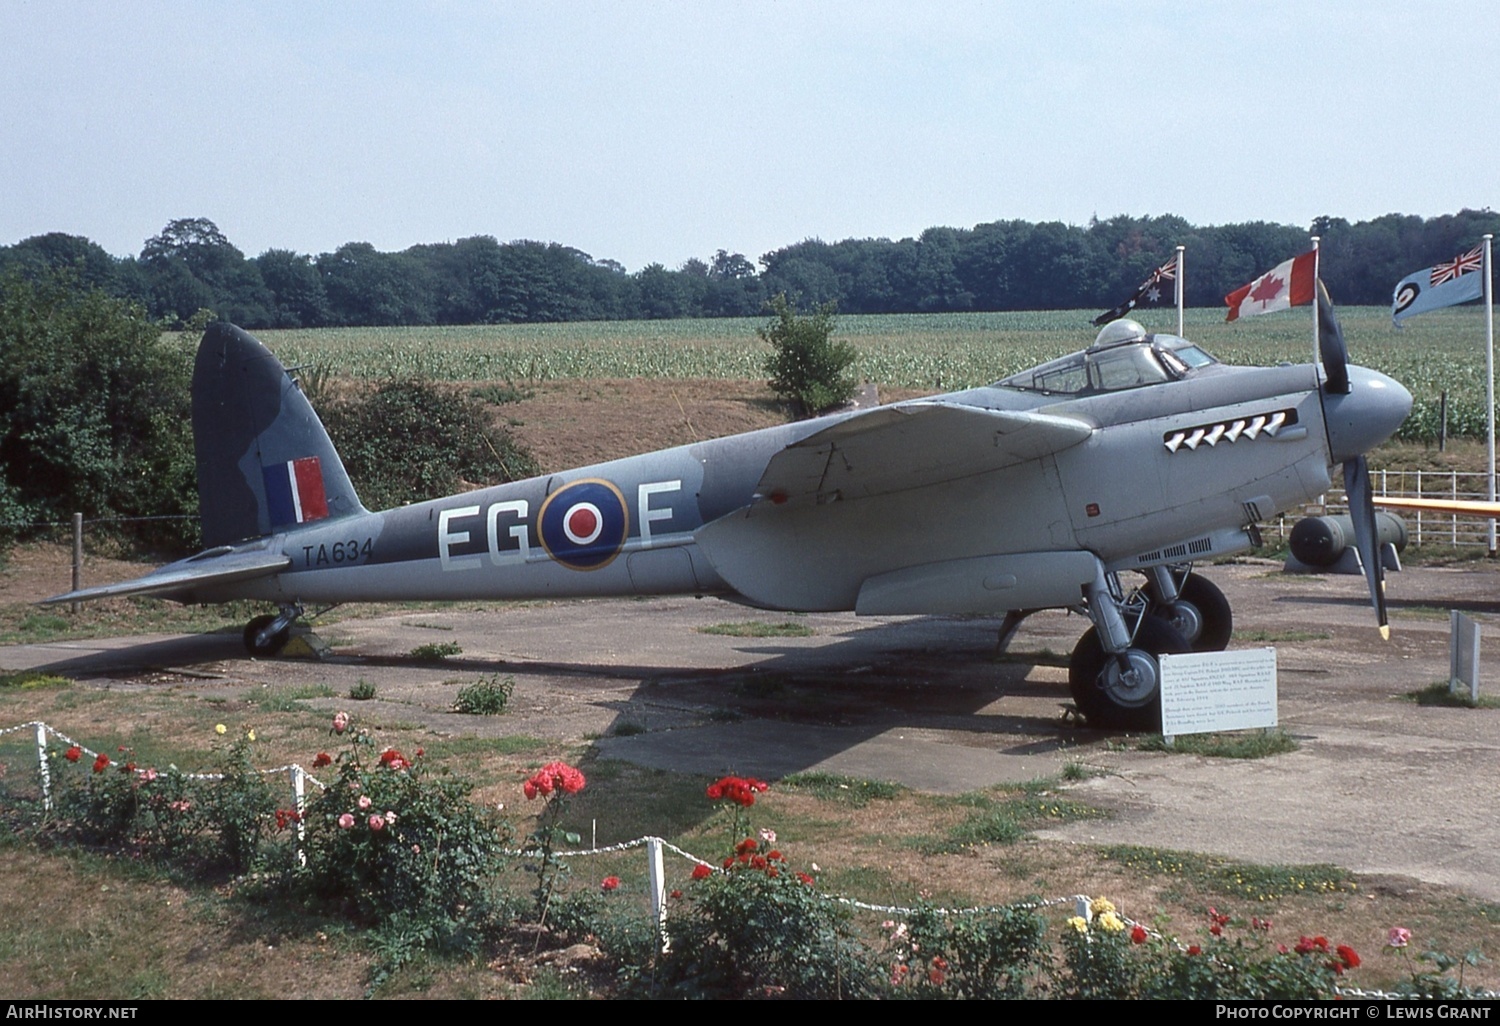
[{"x": 1151, "y": 361}]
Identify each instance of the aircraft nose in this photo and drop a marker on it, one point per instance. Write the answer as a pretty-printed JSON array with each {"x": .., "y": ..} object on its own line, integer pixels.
[{"x": 1370, "y": 413}]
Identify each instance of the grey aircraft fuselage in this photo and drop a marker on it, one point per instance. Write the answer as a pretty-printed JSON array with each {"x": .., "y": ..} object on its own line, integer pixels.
[
  {"x": 699, "y": 519},
  {"x": 1140, "y": 453}
]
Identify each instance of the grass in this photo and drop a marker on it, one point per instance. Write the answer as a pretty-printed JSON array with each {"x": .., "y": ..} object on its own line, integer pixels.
[
  {"x": 758, "y": 629},
  {"x": 1440, "y": 693},
  {"x": 435, "y": 652},
  {"x": 1275, "y": 637},
  {"x": 1231, "y": 878},
  {"x": 1234, "y": 745},
  {"x": 32, "y": 680},
  {"x": 1005, "y": 816},
  {"x": 291, "y": 699},
  {"x": 21, "y": 623},
  {"x": 362, "y": 691},
  {"x": 842, "y": 790}
]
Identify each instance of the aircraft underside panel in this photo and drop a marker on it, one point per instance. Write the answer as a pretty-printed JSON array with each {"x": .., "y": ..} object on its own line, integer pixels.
[{"x": 983, "y": 584}]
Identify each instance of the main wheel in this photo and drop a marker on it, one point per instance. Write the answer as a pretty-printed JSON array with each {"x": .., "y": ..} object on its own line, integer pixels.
[
  {"x": 273, "y": 644},
  {"x": 1124, "y": 699},
  {"x": 1201, "y": 614}
]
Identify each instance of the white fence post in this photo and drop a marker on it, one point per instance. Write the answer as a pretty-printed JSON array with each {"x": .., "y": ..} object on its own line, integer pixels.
[
  {"x": 658, "y": 890},
  {"x": 46, "y": 770},
  {"x": 299, "y": 791}
]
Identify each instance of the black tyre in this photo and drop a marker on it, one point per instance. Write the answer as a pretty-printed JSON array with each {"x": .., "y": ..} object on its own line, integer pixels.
[
  {"x": 272, "y": 645},
  {"x": 1201, "y": 614},
  {"x": 1111, "y": 698}
]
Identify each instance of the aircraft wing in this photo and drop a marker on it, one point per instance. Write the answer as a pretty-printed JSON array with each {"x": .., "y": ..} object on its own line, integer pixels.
[
  {"x": 1463, "y": 507},
  {"x": 893, "y": 448},
  {"x": 186, "y": 578}
]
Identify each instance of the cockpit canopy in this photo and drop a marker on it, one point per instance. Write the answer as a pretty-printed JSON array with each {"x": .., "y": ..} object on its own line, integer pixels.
[{"x": 1113, "y": 367}]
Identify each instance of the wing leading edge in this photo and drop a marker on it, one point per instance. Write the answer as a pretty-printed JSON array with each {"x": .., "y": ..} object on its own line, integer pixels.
[{"x": 894, "y": 448}]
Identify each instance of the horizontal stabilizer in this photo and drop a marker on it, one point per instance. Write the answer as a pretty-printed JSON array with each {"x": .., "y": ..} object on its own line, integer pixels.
[
  {"x": 187, "y": 579},
  {"x": 910, "y": 445}
]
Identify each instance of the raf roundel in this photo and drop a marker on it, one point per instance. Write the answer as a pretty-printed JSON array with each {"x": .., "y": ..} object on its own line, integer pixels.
[{"x": 584, "y": 524}]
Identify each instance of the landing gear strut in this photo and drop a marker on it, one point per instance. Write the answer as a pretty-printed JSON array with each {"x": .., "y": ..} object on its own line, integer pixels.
[
  {"x": 1123, "y": 691},
  {"x": 1114, "y": 673},
  {"x": 267, "y": 635},
  {"x": 1196, "y": 607}
]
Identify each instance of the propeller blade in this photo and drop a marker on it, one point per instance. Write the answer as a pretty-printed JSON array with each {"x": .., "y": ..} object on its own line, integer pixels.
[
  {"x": 1362, "y": 512},
  {"x": 1331, "y": 347}
]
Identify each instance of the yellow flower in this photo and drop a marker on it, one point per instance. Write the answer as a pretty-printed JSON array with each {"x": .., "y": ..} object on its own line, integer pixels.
[
  {"x": 219, "y": 728},
  {"x": 251, "y": 735},
  {"x": 1111, "y": 923},
  {"x": 1099, "y": 906},
  {"x": 1079, "y": 923}
]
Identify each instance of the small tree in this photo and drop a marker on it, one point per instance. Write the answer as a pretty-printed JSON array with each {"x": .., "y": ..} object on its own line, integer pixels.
[{"x": 807, "y": 369}]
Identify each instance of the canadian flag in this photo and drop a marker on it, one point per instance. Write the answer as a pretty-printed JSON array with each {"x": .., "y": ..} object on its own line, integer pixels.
[{"x": 1289, "y": 284}]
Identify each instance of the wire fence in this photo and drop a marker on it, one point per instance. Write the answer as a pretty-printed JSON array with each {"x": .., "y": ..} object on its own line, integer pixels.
[{"x": 655, "y": 848}]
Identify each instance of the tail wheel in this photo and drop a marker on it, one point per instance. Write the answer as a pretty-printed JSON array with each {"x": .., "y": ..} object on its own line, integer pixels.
[
  {"x": 269, "y": 646},
  {"x": 1123, "y": 697},
  {"x": 1201, "y": 614}
]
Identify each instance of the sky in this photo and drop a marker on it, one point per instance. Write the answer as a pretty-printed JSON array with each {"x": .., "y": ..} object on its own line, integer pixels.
[{"x": 657, "y": 132}]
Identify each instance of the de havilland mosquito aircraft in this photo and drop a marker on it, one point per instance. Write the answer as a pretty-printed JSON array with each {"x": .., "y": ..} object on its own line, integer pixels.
[{"x": 1141, "y": 453}]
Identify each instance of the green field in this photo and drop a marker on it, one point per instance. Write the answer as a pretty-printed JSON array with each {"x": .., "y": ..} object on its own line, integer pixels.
[{"x": 1441, "y": 350}]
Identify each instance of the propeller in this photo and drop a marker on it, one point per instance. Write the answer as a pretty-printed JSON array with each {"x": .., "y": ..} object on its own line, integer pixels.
[
  {"x": 1331, "y": 347},
  {"x": 1335, "y": 355},
  {"x": 1362, "y": 512}
]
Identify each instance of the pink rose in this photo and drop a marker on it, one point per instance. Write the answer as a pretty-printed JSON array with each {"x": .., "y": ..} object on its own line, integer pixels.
[
  {"x": 377, "y": 822},
  {"x": 364, "y": 802},
  {"x": 340, "y": 722},
  {"x": 1399, "y": 937},
  {"x": 346, "y": 821}
]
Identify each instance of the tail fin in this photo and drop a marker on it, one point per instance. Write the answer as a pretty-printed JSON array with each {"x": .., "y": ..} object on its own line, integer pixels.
[{"x": 265, "y": 463}]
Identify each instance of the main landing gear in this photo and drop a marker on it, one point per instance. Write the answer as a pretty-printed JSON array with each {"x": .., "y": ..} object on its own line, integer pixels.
[
  {"x": 1115, "y": 674},
  {"x": 267, "y": 635}
]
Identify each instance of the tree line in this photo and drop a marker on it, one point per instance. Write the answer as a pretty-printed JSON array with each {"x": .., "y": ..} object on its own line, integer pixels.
[{"x": 1000, "y": 265}]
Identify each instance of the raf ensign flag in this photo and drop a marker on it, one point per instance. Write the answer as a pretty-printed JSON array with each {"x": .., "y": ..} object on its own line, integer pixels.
[{"x": 1432, "y": 288}]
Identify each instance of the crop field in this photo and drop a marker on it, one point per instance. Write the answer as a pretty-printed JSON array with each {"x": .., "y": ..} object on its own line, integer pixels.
[{"x": 940, "y": 352}]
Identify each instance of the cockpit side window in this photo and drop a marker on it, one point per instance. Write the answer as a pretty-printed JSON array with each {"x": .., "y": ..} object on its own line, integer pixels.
[
  {"x": 1127, "y": 367},
  {"x": 1068, "y": 376}
]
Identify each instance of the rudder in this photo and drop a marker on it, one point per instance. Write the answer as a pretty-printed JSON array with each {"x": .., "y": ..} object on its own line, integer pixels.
[{"x": 265, "y": 462}]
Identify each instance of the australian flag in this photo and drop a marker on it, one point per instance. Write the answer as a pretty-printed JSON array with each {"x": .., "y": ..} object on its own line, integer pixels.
[{"x": 1159, "y": 284}]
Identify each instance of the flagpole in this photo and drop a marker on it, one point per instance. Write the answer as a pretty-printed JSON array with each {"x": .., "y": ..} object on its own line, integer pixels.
[
  {"x": 1489, "y": 370},
  {"x": 1317, "y": 279},
  {"x": 1181, "y": 287}
]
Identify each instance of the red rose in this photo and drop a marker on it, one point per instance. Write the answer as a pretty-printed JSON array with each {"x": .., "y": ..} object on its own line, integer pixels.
[
  {"x": 322, "y": 759},
  {"x": 555, "y": 776},
  {"x": 702, "y": 872},
  {"x": 1138, "y": 934},
  {"x": 609, "y": 883},
  {"x": 805, "y": 879},
  {"x": 1194, "y": 949},
  {"x": 102, "y": 763},
  {"x": 675, "y": 895},
  {"x": 1348, "y": 956}
]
